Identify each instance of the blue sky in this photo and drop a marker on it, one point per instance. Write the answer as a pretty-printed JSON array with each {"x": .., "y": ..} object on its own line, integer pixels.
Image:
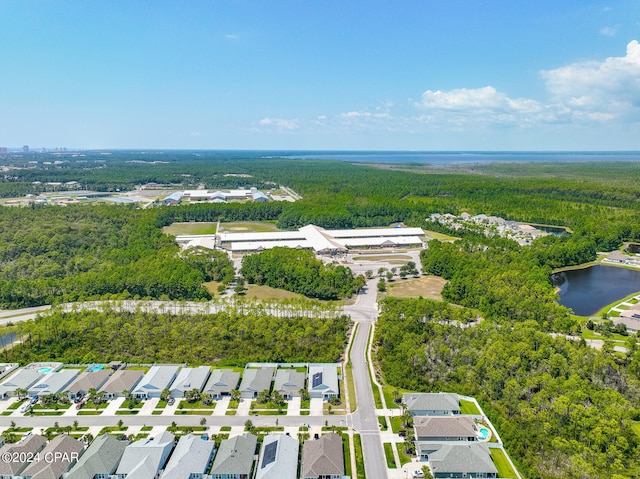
[{"x": 331, "y": 74}]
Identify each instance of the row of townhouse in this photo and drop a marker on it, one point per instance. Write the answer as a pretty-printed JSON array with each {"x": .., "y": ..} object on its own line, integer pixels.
[
  {"x": 161, "y": 458},
  {"x": 49, "y": 378},
  {"x": 453, "y": 444}
]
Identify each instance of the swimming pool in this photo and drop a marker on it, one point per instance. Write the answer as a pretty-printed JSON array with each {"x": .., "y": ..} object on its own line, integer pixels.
[
  {"x": 483, "y": 433},
  {"x": 44, "y": 370},
  {"x": 98, "y": 367}
]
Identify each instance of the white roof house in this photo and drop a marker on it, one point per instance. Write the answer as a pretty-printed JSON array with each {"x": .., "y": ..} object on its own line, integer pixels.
[
  {"x": 22, "y": 379},
  {"x": 278, "y": 458},
  {"x": 53, "y": 383},
  {"x": 144, "y": 458},
  {"x": 432, "y": 404},
  {"x": 156, "y": 379},
  {"x": 323, "y": 382},
  {"x": 188, "y": 379},
  {"x": 190, "y": 459}
]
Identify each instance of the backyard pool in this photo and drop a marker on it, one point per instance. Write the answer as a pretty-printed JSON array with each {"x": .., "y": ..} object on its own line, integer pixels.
[
  {"x": 44, "y": 370},
  {"x": 483, "y": 433},
  {"x": 99, "y": 367}
]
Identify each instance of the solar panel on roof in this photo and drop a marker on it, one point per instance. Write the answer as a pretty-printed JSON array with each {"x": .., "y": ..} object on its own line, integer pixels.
[
  {"x": 269, "y": 454},
  {"x": 316, "y": 380}
]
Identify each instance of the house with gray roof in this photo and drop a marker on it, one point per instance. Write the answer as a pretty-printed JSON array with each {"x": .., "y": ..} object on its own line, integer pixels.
[
  {"x": 445, "y": 428},
  {"x": 24, "y": 449},
  {"x": 119, "y": 381},
  {"x": 432, "y": 404},
  {"x": 7, "y": 368},
  {"x": 190, "y": 459},
  {"x": 323, "y": 458},
  {"x": 221, "y": 383},
  {"x": 469, "y": 459},
  {"x": 100, "y": 459},
  {"x": 146, "y": 457},
  {"x": 53, "y": 383},
  {"x": 289, "y": 382},
  {"x": 278, "y": 458},
  {"x": 323, "y": 382},
  {"x": 254, "y": 381},
  {"x": 64, "y": 451},
  {"x": 155, "y": 381},
  {"x": 22, "y": 379},
  {"x": 87, "y": 380},
  {"x": 188, "y": 379},
  {"x": 234, "y": 459}
]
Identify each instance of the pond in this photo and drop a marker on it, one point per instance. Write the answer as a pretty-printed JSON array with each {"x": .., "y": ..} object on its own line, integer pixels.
[{"x": 588, "y": 290}]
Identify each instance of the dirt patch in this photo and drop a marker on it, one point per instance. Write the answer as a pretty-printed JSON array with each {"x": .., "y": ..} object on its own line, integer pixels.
[{"x": 427, "y": 286}]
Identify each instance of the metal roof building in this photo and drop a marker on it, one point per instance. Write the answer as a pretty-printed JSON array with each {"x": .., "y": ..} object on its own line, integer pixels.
[
  {"x": 53, "y": 383},
  {"x": 188, "y": 379},
  {"x": 190, "y": 459},
  {"x": 323, "y": 382},
  {"x": 278, "y": 458},
  {"x": 144, "y": 458},
  {"x": 156, "y": 379},
  {"x": 22, "y": 379}
]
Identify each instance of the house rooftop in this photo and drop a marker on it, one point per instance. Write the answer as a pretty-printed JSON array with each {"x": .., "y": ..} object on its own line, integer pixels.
[
  {"x": 191, "y": 455},
  {"x": 431, "y": 401},
  {"x": 235, "y": 455},
  {"x": 101, "y": 457},
  {"x": 444, "y": 426},
  {"x": 323, "y": 457}
]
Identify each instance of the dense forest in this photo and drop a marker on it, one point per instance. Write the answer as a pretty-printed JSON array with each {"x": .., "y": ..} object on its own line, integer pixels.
[
  {"x": 234, "y": 336},
  {"x": 299, "y": 271},
  {"x": 563, "y": 409}
]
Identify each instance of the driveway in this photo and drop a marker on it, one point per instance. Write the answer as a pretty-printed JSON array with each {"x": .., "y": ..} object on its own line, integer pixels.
[{"x": 294, "y": 406}]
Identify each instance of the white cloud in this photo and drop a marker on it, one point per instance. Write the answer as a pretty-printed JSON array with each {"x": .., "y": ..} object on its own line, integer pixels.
[
  {"x": 608, "y": 31},
  {"x": 605, "y": 89},
  {"x": 279, "y": 123},
  {"x": 232, "y": 36}
]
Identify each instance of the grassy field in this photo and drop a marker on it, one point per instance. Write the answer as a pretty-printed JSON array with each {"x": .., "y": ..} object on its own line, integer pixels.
[
  {"x": 428, "y": 287},
  {"x": 265, "y": 292},
  {"x": 249, "y": 227},
  {"x": 502, "y": 464},
  {"x": 440, "y": 236},
  {"x": 359, "y": 457},
  {"x": 389, "y": 258},
  {"x": 388, "y": 454},
  {"x": 176, "y": 229}
]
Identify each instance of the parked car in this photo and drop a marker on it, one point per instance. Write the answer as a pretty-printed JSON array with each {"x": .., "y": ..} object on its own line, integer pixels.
[
  {"x": 418, "y": 473},
  {"x": 171, "y": 401},
  {"x": 34, "y": 400},
  {"x": 25, "y": 407},
  {"x": 402, "y": 433}
]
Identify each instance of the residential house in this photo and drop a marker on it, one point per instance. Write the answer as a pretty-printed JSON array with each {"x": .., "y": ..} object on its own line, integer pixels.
[
  {"x": 221, "y": 383},
  {"x": 53, "y": 383},
  {"x": 100, "y": 460},
  {"x": 323, "y": 458},
  {"x": 155, "y": 381},
  {"x": 87, "y": 380},
  {"x": 234, "y": 459},
  {"x": 254, "y": 381},
  {"x": 289, "y": 382},
  {"x": 278, "y": 458},
  {"x": 21, "y": 451},
  {"x": 445, "y": 428},
  {"x": 188, "y": 379},
  {"x": 120, "y": 381},
  {"x": 146, "y": 457},
  {"x": 432, "y": 404},
  {"x": 323, "y": 382},
  {"x": 469, "y": 459},
  {"x": 22, "y": 379},
  {"x": 191, "y": 458},
  {"x": 7, "y": 368},
  {"x": 64, "y": 451}
]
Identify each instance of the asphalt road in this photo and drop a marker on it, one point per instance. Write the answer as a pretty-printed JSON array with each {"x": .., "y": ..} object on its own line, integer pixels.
[{"x": 364, "y": 419}]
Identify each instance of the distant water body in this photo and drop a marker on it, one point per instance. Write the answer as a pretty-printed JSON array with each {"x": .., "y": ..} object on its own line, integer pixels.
[{"x": 451, "y": 158}]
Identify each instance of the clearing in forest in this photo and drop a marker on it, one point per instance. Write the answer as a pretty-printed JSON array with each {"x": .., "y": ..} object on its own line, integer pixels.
[
  {"x": 190, "y": 228},
  {"x": 428, "y": 287}
]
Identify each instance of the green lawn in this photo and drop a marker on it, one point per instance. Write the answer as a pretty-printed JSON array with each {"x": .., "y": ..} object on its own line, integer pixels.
[
  {"x": 388, "y": 454},
  {"x": 249, "y": 227},
  {"x": 197, "y": 412},
  {"x": 502, "y": 464},
  {"x": 396, "y": 424},
  {"x": 203, "y": 228},
  {"x": 347, "y": 454},
  {"x": 359, "y": 457},
  {"x": 468, "y": 407},
  {"x": 195, "y": 405},
  {"x": 351, "y": 387},
  {"x": 404, "y": 459}
]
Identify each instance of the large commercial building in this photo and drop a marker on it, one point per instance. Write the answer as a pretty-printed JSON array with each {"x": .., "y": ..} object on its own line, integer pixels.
[{"x": 315, "y": 238}]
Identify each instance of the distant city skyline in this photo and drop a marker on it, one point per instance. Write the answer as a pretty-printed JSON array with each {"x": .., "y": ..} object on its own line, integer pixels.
[{"x": 303, "y": 75}]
